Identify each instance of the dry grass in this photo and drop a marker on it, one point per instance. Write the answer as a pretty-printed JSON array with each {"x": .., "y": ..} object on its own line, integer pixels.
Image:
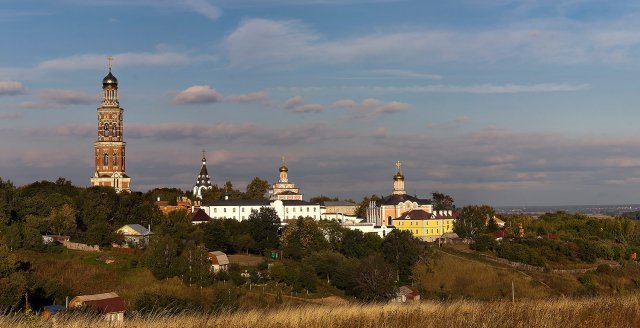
[{"x": 566, "y": 313}]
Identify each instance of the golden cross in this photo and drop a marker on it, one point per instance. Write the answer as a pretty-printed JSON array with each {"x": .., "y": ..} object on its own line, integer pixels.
[
  {"x": 398, "y": 164},
  {"x": 282, "y": 160},
  {"x": 110, "y": 59}
]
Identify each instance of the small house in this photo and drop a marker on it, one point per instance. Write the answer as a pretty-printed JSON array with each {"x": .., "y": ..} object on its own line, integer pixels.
[
  {"x": 199, "y": 216},
  {"x": 219, "y": 261},
  {"x": 135, "y": 234},
  {"x": 407, "y": 294},
  {"x": 109, "y": 305}
]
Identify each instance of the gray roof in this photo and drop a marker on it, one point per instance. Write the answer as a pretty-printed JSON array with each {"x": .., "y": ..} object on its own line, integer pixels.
[
  {"x": 339, "y": 203},
  {"x": 240, "y": 202},
  {"x": 139, "y": 229}
]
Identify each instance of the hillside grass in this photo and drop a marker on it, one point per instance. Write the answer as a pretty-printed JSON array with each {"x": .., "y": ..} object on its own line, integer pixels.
[{"x": 567, "y": 313}]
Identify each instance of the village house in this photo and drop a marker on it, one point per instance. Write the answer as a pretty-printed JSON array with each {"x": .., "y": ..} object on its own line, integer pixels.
[
  {"x": 109, "y": 305},
  {"x": 219, "y": 261},
  {"x": 134, "y": 234}
]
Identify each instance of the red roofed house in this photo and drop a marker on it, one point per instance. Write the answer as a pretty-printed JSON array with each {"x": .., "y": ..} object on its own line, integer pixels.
[
  {"x": 406, "y": 293},
  {"x": 110, "y": 305},
  {"x": 199, "y": 216}
]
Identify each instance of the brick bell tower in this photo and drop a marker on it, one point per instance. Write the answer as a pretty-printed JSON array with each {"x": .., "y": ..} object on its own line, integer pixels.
[{"x": 109, "y": 148}]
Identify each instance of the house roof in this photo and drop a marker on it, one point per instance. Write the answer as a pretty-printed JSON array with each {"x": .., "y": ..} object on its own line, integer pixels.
[
  {"x": 218, "y": 257},
  {"x": 297, "y": 202},
  {"x": 138, "y": 230},
  {"x": 105, "y": 303},
  {"x": 500, "y": 233},
  {"x": 339, "y": 203},
  {"x": 424, "y": 215},
  {"x": 199, "y": 216},
  {"x": 407, "y": 291},
  {"x": 396, "y": 199}
]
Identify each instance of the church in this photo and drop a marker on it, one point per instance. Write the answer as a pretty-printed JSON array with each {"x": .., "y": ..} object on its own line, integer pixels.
[
  {"x": 110, "y": 146},
  {"x": 283, "y": 189}
]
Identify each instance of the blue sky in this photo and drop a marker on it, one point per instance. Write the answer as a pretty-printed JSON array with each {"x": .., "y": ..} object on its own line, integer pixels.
[{"x": 497, "y": 101}]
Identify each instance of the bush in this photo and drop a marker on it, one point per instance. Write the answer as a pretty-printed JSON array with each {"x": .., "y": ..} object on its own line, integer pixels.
[
  {"x": 150, "y": 302},
  {"x": 483, "y": 243}
]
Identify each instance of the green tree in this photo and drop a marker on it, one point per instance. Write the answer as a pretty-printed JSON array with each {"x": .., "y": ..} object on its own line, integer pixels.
[
  {"x": 63, "y": 220},
  {"x": 161, "y": 257},
  {"x": 322, "y": 198},
  {"x": 375, "y": 280},
  {"x": 441, "y": 202},
  {"x": 257, "y": 189},
  {"x": 402, "y": 250},
  {"x": 195, "y": 265},
  {"x": 263, "y": 228},
  {"x": 472, "y": 221},
  {"x": 211, "y": 195},
  {"x": 302, "y": 237},
  {"x": 8, "y": 261},
  {"x": 217, "y": 237},
  {"x": 100, "y": 233}
]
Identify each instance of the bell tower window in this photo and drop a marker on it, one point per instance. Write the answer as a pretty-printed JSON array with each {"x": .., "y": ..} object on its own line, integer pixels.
[
  {"x": 114, "y": 133},
  {"x": 115, "y": 159},
  {"x": 106, "y": 130},
  {"x": 105, "y": 159}
]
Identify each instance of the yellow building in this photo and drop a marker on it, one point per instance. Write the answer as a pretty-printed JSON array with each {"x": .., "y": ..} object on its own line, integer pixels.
[{"x": 424, "y": 225}]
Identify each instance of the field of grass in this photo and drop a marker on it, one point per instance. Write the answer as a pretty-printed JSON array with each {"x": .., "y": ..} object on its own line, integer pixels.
[
  {"x": 566, "y": 313},
  {"x": 456, "y": 275}
]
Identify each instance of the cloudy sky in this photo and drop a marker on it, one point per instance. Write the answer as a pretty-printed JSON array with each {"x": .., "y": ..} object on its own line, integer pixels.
[{"x": 506, "y": 102}]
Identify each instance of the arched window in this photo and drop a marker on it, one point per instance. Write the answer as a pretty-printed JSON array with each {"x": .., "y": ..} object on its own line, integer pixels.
[
  {"x": 115, "y": 159},
  {"x": 106, "y": 129},
  {"x": 114, "y": 133},
  {"x": 105, "y": 159}
]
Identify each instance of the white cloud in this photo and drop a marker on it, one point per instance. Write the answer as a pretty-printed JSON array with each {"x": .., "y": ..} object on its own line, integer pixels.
[
  {"x": 248, "y": 97},
  {"x": 197, "y": 94},
  {"x": 371, "y": 107},
  {"x": 256, "y": 42},
  {"x": 66, "y": 97},
  {"x": 10, "y": 88},
  {"x": 95, "y": 61},
  {"x": 297, "y": 104}
]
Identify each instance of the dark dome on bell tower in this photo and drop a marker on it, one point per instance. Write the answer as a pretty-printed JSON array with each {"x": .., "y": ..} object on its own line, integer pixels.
[{"x": 110, "y": 80}]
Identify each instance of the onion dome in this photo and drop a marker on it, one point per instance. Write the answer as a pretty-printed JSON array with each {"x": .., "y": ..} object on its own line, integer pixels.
[
  {"x": 109, "y": 80},
  {"x": 284, "y": 168},
  {"x": 398, "y": 176}
]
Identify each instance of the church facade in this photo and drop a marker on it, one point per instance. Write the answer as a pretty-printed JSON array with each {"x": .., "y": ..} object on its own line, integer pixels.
[
  {"x": 283, "y": 189},
  {"x": 385, "y": 210},
  {"x": 109, "y": 148}
]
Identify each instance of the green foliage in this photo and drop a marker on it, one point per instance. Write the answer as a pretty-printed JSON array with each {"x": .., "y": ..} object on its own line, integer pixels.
[
  {"x": 8, "y": 261},
  {"x": 520, "y": 253},
  {"x": 302, "y": 237},
  {"x": 374, "y": 280},
  {"x": 195, "y": 266},
  {"x": 161, "y": 257},
  {"x": 483, "y": 242},
  {"x": 263, "y": 229},
  {"x": 357, "y": 244},
  {"x": 322, "y": 198},
  {"x": 218, "y": 235},
  {"x": 442, "y": 202},
  {"x": 152, "y": 302},
  {"x": 257, "y": 189},
  {"x": 472, "y": 220},
  {"x": 402, "y": 250}
]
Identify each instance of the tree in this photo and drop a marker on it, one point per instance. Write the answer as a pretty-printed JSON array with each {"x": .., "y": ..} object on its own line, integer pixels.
[
  {"x": 257, "y": 189},
  {"x": 322, "y": 198},
  {"x": 8, "y": 261},
  {"x": 263, "y": 228},
  {"x": 472, "y": 220},
  {"x": 441, "y": 202},
  {"x": 211, "y": 195},
  {"x": 232, "y": 193},
  {"x": 375, "y": 280},
  {"x": 63, "y": 220},
  {"x": 195, "y": 265},
  {"x": 217, "y": 237},
  {"x": 302, "y": 237},
  {"x": 161, "y": 257},
  {"x": 402, "y": 250}
]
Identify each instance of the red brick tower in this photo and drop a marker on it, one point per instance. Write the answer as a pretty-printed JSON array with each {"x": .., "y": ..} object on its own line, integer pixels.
[{"x": 110, "y": 147}]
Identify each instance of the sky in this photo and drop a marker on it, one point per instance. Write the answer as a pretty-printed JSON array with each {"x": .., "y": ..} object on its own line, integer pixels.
[{"x": 503, "y": 102}]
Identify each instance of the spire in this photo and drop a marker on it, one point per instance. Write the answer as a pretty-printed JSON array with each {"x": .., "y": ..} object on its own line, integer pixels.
[
  {"x": 204, "y": 159},
  {"x": 203, "y": 181},
  {"x": 110, "y": 60}
]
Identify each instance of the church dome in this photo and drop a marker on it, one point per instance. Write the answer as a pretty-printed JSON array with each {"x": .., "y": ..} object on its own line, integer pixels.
[
  {"x": 284, "y": 168},
  {"x": 398, "y": 176},
  {"x": 109, "y": 80}
]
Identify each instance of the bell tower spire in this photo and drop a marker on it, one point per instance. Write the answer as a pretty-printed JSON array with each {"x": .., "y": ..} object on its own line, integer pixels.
[
  {"x": 110, "y": 145},
  {"x": 398, "y": 180}
]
